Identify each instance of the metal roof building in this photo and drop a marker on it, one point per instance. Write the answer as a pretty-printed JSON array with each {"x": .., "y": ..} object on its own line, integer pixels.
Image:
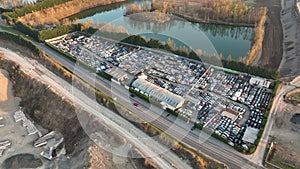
[
  {"x": 118, "y": 74},
  {"x": 250, "y": 135},
  {"x": 171, "y": 100},
  {"x": 260, "y": 82}
]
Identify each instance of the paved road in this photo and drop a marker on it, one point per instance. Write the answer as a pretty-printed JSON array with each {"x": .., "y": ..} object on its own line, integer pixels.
[
  {"x": 147, "y": 146},
  {"x": 196, "y": 139}
]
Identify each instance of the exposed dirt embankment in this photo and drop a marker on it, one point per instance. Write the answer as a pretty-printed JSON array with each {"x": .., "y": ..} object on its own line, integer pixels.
[
  {"x": 293, "y": 96},
  {"x": 44, "y": 106},
  {"x": 3, "y": 89}
]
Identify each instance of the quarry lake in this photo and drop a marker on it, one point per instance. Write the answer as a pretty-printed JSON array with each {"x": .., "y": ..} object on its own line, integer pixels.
[{"x": 210, "y": 38}]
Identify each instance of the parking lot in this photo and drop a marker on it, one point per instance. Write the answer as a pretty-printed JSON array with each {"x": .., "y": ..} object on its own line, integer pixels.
[{"x": 229, "y": 103}]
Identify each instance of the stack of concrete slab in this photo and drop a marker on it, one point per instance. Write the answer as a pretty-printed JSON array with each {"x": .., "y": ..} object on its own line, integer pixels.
[
  {"x": 19, "y": 115},
  {"x": 30, "y": 127},
  {"x": 4, "y": 145}
]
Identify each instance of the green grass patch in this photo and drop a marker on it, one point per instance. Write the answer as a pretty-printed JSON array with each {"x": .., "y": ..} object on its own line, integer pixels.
[
  {"x": 295, "y": 97},
  {"x": 11, "y": 29}
]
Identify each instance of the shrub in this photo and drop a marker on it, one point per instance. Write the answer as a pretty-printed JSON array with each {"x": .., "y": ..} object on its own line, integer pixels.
[
  {"x": 17, "y": 12},
  {"x": 105, "y": 75},
  {"x": 252, "y": 149},
  {"x": 21, "y": 41},
  {"x": 142, "y": 96},
  {"x": 172, "y": 112},
  {"x": 198, "y": 125}
]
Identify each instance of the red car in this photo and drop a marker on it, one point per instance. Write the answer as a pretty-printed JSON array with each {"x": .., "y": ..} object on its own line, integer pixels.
[{"x": 136, "y": 104}]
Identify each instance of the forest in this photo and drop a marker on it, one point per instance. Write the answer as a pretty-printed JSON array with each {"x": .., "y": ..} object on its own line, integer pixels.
[
  {"x": 18, "y": 12},
  {"x": 48, "y": 34},
  {"x": 219, "y": 10},
  {"x": 54, "y": 14},
  {"x": 258, "y": 39}
]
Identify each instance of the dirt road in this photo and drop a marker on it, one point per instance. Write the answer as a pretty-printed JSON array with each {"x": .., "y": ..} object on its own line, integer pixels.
[
  {"x": 289, "y": 67},
  {"x": 272, "y": 44}
]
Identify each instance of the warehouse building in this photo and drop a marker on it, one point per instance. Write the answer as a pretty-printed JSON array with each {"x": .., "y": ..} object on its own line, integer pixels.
[
  {"x": 260, "y": 82},
  {"x": 164, "y": 96},
  {"x": 250, "y": 135},
  {"x": 118, "y": 74}
]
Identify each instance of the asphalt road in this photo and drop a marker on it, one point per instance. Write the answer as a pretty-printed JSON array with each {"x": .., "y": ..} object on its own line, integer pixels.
[
  {"x": 196, "y": 139},
  {"x": 147, "y": 146}
]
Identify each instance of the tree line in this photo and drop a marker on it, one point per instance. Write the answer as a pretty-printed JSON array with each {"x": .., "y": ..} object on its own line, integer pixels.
[
  {"x": 42, "y": 35},
  {"x": 93, "y": 11},
  {"x": 258, "y": 39},
  {"x": 55, "y": 14},
  {"x": 218, "y": 10},
  {"x": 47, "y": 34},
  {"x": 18, "y": 12},
  {"x": 20, "y": 40},
  {"x": 133, "y": 8}
]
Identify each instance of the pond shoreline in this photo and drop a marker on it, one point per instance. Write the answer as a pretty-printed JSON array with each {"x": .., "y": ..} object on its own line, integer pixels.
[
  {"x": 218, "y": 22},
  {"x": 232, "y": 35},
  {"x": 179, "y": 16},
  {"x": 145, "y": 17}
]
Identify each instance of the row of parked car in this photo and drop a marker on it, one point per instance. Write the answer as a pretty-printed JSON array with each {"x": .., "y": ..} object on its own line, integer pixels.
[
  {"x": 255, "y": 118},
  {"x": 261, "y": 99},
  {"x": 230, "y": 130},
  {"x": 167, "y": 85},
  {"x": 237, "y": 88},
  {"x": 241, "y": 92},
  {"x": 237, "y": 108}
]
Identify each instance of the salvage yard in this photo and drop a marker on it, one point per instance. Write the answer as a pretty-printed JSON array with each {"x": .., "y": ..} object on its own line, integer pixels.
[{"x": 227, "y": 102}]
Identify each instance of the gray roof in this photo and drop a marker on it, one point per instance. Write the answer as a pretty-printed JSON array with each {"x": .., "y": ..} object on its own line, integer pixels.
[
  {"x": 250, "y": 135},
  {"x": 158, "y": 93}
]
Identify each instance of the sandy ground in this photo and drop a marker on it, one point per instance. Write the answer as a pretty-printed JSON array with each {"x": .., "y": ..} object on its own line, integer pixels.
[
  {"x": 289, "y": 66},
  {"x": 21, "y": 142},
  {"x": 3, "y": 87},
  {"x": 287, "y": 135},
  {"x": 8, "y": 103}
]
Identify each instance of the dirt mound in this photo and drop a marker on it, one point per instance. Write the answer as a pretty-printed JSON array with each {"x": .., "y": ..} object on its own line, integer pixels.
[
  {"x": 295, "y": 119},
  {"x": 22, "y": 161}
]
